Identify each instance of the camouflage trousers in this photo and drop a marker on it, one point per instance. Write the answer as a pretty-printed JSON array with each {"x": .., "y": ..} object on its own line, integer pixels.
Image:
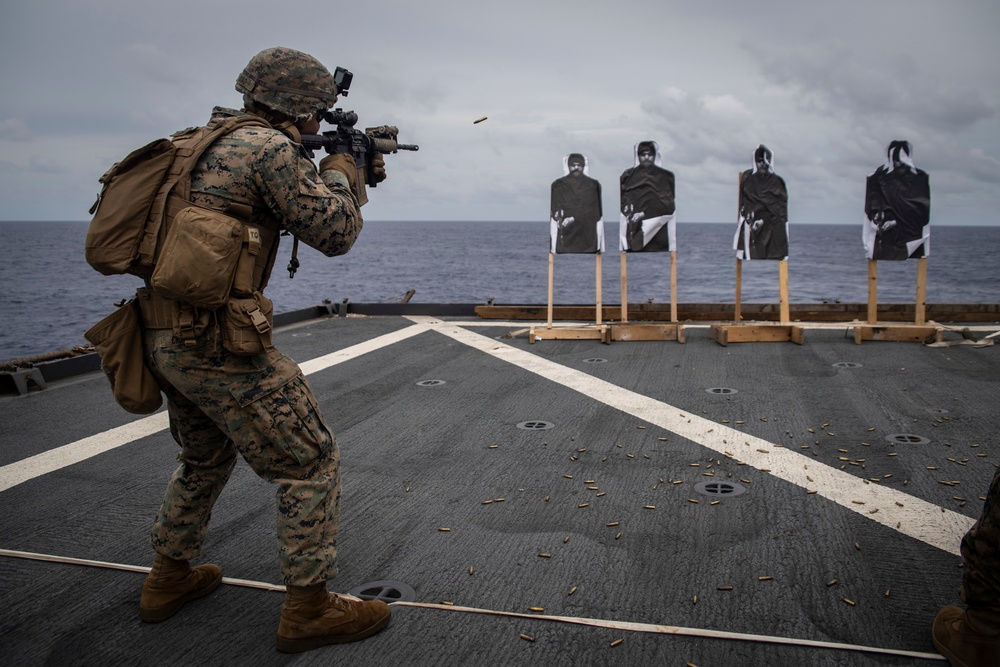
[
  {"x": 981, "y": 554},
  {"x": 261, "y": 407}
]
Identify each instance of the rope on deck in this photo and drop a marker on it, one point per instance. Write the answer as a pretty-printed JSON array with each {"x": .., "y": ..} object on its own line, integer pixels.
[
  {"x": 592, "y": 622},
  {"x": 676, "y": 630}
]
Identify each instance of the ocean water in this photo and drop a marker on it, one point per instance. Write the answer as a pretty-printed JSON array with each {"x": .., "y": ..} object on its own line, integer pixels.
[{"x": 50, "y": 295}]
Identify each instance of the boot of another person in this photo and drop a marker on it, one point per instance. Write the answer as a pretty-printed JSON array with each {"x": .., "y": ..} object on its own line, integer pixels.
[
  {"x": 312, "y": 617},
  {"x": 173, "y": 583},
  {"x": 968, "y": 637}
]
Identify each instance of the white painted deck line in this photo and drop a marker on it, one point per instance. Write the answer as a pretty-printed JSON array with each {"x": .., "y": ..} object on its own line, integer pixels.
[
  {"x": 894, "y": 509},
  {"x": 55, "y": 459},
  {"x": 21, "y": 471},
  {"x": 355, "y": 351},
  {"x": 909, "y": 515}
]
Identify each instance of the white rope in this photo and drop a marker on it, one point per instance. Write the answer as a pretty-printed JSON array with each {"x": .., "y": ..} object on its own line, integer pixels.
[
  {"x": 597, "y": 623},
  {"x": 675, "y": 630},
  {"x": 128, "y": 568}
]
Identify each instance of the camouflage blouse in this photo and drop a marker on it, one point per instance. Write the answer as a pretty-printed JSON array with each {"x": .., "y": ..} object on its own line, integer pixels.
[{"x": 262, "y": 167}]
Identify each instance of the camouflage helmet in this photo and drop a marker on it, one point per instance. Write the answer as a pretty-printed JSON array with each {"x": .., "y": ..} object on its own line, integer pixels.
[{"x": 289, "y": 81}]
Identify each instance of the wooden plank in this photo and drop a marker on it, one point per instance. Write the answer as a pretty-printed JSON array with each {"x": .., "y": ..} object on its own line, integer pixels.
[
  {"x": 552, "y": 259},
  {"x": 921, "y": 307},
  {"x": 739, "y": 290},
  {"x": 597, "y": 271},
  {"x": 720, "y": 334},
  {"x": 636, "y": 332},
  {"x": 872, "y": 292},
  {"x": 906, "y": 333},
  {"x": 591, "y": 332},
  {"x": 739, "y": 263},
  {"x": 624, "y": 316},
  {"x": 673, "y": 285},
  {"x": 756, "y": 333},
  {"x": 723, "y": 312},
  {"x": 783, "y": 289}
]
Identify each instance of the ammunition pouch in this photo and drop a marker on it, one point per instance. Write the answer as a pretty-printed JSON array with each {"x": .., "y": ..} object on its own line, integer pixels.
[
  {"x": 160, "y": 312},
  {"x": 118, "y": 340},
  {"x": 209, "y": 268},
  {"x": 246, "y": 324},
  {"x": 197, "y": 263},
  {"x": 157, "y": 311}
]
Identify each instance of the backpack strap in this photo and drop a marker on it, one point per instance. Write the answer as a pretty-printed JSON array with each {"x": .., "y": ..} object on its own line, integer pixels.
[
  {"x": 191, "y": 149},
  {"x": 175, "y": 192}
]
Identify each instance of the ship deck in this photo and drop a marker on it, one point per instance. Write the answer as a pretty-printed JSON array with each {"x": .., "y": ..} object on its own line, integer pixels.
[{"x": 562, "y": 502}]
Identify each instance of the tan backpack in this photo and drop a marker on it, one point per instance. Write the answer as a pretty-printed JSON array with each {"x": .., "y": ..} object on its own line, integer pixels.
[{"x": 142, "y": 194}]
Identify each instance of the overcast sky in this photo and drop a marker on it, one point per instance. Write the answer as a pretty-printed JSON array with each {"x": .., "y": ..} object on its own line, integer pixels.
[{"x": 826, "y": 85}]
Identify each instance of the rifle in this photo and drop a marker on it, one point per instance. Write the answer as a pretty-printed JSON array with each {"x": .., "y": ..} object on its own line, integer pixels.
[
  {"x": 361, "y": 145},
  {"x": 346, "y": 139}
]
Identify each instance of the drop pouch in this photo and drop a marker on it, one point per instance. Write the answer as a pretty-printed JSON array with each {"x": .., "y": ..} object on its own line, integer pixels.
[
  {"x": 246, "y": 325},
  {"x": 118, "y": 340}
]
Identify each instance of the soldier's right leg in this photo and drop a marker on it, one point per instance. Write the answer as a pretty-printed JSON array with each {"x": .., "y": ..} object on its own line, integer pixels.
[{"x": 285, "y": 440}]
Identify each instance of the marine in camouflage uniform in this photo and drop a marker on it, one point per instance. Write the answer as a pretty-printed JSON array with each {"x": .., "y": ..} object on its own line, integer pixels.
[
  {"x": 219, "y": 403},
  {"x": 972, "y": 636},
  {"x": 261, "y": 407},
  {"x": 981, "y": 554}
]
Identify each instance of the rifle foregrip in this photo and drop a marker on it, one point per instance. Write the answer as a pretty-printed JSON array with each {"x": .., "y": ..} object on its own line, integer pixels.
[{"x": 383, "y": 145}]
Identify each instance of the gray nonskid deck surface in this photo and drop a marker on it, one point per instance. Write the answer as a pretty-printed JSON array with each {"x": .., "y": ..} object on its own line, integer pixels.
[{"x": 416, "y": 459}]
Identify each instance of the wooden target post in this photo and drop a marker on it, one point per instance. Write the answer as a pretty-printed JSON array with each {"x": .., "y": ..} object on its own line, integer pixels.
[
  {"x": 673, "y": 285},
  {"x": 919, "y": 332},
  {"x": 737, "y": 315},
  {"x": 596, "y": 331},
  {"x": 624, "y": 278},
  {"x": 634, "y": 331},
  {"x": 758, "y": 332}
]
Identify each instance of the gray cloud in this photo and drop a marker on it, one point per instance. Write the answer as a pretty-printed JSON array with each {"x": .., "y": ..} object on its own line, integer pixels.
[
  {"x": 14, "y": 129},
  {"x": 86, "y": 81},
  {"x": 840, "y": 82},
  {"x": 148, "y": 62}
]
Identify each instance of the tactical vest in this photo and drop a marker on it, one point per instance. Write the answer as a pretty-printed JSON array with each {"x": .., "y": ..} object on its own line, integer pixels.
[
  {"x": 141, "y": 195},
  {"x": 196, "y": 260}
]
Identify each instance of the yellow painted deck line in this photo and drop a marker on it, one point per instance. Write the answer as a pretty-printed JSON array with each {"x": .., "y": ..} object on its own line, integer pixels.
[
  {"x": 894, "y": 509},
  {"x": 52, "y": 460}
]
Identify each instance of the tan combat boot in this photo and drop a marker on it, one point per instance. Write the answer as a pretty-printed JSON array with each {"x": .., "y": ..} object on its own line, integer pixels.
[
  {"x": 312, "y": 617},
  {"x": 172, "y": 583},
  {"x": 968, "y": 638}
]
